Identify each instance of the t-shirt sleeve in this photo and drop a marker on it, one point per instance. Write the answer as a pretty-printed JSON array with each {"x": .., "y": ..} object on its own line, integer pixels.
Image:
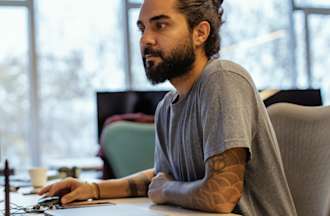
[{"x": 228, "y": 113}]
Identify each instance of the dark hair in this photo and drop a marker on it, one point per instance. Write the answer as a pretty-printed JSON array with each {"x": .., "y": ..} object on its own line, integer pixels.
[{"x": 211, "y": 11}]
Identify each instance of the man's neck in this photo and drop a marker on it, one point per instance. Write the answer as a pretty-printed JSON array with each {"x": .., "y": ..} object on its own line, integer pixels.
[{"x": 184, "y": 83}]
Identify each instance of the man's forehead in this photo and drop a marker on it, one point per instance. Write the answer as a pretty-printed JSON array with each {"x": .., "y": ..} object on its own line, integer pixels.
[{"x": 152, "y": 8}]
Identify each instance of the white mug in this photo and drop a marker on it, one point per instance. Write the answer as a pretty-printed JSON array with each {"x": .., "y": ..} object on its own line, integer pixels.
[{"x": 38, "y": 176}]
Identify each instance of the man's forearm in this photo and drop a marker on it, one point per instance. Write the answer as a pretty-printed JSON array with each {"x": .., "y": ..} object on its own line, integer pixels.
[
  {"x": 219, "y": 191},
  {"x": 130, "y": 186},
  {"x": 215, "y": 195},
  {"x": 182, "y": 193}
]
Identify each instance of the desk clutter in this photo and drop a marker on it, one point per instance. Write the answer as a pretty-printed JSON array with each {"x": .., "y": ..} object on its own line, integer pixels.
[
  {"x": 40, "y": 205},
  {"x": 24, "y": 185}
]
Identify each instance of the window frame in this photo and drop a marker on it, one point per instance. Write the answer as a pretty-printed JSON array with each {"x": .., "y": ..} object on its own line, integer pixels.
[
  {"x": 128, "y": 49},
  {"x": 307, "y": 12}
]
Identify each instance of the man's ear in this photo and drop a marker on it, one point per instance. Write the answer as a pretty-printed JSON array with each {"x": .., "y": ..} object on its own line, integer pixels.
[{"x": 201, "y": 33}]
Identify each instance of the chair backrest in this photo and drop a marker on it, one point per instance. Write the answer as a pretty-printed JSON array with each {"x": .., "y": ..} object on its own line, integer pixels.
[
  {"x": 129, "y": 146},
  {"x": 303, "y": 135}
]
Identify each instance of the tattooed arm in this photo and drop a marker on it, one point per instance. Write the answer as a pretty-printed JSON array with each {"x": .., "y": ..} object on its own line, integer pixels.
[{"x": 219, "y": 191}]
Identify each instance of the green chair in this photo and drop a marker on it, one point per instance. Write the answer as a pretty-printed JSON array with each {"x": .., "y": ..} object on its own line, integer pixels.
[{"x": 129, "y": 147}]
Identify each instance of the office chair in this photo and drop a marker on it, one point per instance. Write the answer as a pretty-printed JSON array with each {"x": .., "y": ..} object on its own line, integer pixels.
[
  {"x": 129, "y": 146},
  {"x": 303, "y": 135}
]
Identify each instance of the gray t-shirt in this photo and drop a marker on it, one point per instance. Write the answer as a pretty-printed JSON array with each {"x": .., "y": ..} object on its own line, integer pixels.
[{"x": 222, "y": 111}]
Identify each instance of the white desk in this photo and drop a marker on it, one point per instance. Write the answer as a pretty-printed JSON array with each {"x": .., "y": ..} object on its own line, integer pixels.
[
  {"x": 144, "y": 203},
  {"x": 168, "y": 210}
]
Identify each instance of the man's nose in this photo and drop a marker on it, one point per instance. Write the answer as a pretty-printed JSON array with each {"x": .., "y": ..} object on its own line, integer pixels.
[{"x": 147, "y": 39}]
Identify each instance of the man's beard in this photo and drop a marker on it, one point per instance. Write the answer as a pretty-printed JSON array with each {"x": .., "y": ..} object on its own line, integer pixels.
[{"x": 178, "y": 63}]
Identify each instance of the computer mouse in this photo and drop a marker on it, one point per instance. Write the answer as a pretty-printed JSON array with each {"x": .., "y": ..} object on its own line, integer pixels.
[{"x": 49, "y": 201}]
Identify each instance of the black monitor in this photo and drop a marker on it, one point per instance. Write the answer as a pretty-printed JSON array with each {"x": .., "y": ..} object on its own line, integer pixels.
[
  {"x": 114, "y": 103},
  {"x": 304, "y": 97}
]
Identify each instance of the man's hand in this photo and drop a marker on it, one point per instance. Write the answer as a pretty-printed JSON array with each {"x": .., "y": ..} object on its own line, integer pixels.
[
  {"x": 157, "y": 186},
  {"x": 71, "y": 189}
]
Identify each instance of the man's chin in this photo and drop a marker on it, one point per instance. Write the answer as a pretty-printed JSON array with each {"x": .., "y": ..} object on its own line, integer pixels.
[{"x": 154, "y": 78}]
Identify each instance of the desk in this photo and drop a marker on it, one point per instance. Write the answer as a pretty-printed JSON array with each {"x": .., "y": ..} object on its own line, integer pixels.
[{"x": 144, "y": 203}]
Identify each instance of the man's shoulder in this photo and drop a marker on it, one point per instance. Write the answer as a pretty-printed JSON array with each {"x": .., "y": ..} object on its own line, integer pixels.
[
  {"x": 227, "y": 68},
  {"x": 223, "y": 72}
]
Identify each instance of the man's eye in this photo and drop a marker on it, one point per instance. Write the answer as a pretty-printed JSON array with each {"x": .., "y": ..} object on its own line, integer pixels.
[{"x": 161, "y": 25}]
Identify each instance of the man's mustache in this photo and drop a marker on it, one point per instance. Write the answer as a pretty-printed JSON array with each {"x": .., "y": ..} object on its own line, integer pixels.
[{"x": 152, "y": 52}]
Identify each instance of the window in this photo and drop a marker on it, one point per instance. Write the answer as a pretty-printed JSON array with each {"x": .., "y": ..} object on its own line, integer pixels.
[
  {"x": 255, "y": 37},
  {"x": 81, "y": 51},
  {"x": 14, "y": 86},
  {"x": 318, "y": 20},
  {"x": 320, "y": 46}
]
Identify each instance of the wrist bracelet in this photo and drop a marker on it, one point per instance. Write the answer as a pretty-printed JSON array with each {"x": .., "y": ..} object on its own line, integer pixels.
[{"x": 97, "y": 190}]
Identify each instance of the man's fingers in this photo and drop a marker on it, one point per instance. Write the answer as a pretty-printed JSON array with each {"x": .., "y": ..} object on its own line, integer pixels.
[
  {"x": 70, "y": 197},
  {"x": 44, "y": 190},
  {"x": 57, "y": 187}
]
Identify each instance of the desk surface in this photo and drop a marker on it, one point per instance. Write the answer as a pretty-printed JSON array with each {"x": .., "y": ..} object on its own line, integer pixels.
[{"x": 144, "y": 203}]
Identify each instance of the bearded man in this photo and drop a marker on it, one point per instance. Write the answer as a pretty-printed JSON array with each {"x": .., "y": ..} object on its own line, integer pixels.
[{"x": 215, "y": 148}]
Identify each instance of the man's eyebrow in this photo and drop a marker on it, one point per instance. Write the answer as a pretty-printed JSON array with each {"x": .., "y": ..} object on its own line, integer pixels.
[
  {"x": 159, "y": 17},
  {"x": 152, "y": 19}
]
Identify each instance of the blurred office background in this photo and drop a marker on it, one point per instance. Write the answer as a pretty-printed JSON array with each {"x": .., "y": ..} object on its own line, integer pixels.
[{"x": 55, "y": 54}]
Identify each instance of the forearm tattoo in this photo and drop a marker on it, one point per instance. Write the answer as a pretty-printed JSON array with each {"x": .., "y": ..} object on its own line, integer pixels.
[
  {"x": 138, "y": 185},
  {"x": 224, "y": 184},
  {"x": 221, "y": 187}
]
